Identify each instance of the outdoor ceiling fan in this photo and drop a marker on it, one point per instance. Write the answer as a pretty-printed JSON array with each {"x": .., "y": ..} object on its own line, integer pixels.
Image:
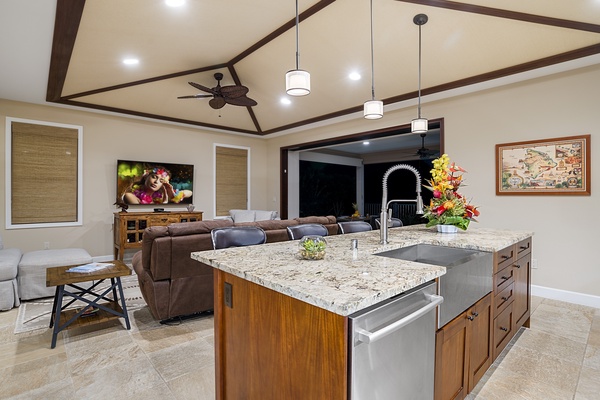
[
  {"x": 221, "y": 95},
  {"x": 424, "y": 152}
]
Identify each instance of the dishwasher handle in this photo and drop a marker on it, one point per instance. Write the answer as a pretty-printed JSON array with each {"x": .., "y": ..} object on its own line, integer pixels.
[{"x": 367, "y": 337}]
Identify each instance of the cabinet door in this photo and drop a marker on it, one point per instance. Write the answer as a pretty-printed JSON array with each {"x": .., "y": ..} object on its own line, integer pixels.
[
  {"x": 479, "y": 331},
  {"x": 522, "y": 280},
  {"x": 451, "y": 355}
]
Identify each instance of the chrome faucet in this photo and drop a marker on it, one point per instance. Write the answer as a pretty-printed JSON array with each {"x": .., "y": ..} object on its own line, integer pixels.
[{"x": 386, "y": 215}]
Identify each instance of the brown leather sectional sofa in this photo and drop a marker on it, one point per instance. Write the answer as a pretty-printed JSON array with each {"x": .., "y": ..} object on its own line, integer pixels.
[{"x": 175, "y": 285}]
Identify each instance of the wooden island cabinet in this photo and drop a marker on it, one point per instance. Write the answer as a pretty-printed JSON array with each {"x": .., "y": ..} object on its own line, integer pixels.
[
  {"x": 282, "y": 324},
  {"x": 469, "y": 344}
]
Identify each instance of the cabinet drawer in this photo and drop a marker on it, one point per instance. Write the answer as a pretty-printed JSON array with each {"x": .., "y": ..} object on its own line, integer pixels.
[
  {"x": 503, "y": 330},
  {"x": 163, "y": 220},
  {"x": 503, "y": 279},
  {"x": 503, "y": 299},
  {"x": 523, "y": 247},
  {"x": 504, "y": 258}
]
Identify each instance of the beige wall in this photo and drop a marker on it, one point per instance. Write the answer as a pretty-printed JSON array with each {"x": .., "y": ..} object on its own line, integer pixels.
[
  {"x": 108, "y": 138},
  {"x": 566, "y": 227}
]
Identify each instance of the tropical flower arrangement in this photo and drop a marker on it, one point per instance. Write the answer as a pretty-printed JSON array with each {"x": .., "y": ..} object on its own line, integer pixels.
[{"x": 448, "y": 207}]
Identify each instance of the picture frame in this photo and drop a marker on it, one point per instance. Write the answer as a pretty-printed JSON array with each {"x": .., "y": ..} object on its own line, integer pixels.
[{"x": 557, "y": 166}]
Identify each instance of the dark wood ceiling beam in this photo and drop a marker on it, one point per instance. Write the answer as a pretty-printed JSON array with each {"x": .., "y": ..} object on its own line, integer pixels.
[
  {"x": 281, "y": 30},
  {"x": 66, "y": 24},
  {"x": 472, "y": 80},
  {"x": 144, "y": 81},
  {"x": 496, "y": 12},
  {"x": 154, "y": 116}
]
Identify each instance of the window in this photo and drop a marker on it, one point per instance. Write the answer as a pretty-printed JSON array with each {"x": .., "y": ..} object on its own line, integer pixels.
[
  {"x": 43, "y": 174},
  {"x": 232, "y": 172}
]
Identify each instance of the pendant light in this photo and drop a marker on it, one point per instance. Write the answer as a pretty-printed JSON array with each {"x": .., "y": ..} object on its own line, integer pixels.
[
  {"x": 419, "y": 125},
  {"x": 373, "y": 109},
  {"x": 297, "y": 81}
]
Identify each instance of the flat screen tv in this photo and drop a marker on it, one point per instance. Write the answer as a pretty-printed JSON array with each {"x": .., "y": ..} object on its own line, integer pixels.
[{"x": 154, "y": 183}]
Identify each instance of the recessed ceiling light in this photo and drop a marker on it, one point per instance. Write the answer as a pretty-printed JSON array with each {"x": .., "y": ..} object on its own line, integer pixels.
[
  {"x": 131, "y": 61},
  {"x": 366, "y": 143},
  {"x": 355, "y": 76},
  {"x": 174, "y": 3},
  {"x": 286, "y": 101}
]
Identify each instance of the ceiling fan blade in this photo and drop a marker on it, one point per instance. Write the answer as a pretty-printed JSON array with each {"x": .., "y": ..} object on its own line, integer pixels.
[
  {"x": 217, "y": 102},
  {"x": 203, "y": 88},
  {"x": 241, "y": 101},
  {"x": 195, "y": 96},
  {"x": 234, "y": 91}
]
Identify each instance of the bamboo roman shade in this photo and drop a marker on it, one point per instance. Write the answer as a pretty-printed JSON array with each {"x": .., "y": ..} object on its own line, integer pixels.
[
  {"x": 44, "y": 173},
  {"x": 231, "y": 179}
]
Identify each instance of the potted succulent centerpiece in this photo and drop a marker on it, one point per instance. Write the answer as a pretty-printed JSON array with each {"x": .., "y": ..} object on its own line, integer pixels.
[
  {"x": 448, "y": 209},
  {"x": 312, "y": 247}
]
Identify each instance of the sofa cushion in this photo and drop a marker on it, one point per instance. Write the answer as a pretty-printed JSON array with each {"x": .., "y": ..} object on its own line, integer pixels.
[
  {"x": 262, "y": 215},
  {"x": 242, "y": 215},
  {"x": 317, "y": 220},
  {"x": 9, "y": 261},
  {"x": 271, "y": 224},
  {"x": 194, "y": 228}
]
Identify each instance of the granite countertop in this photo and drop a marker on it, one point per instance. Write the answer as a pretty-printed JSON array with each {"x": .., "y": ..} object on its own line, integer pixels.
[{"x": 340, "y": 284}]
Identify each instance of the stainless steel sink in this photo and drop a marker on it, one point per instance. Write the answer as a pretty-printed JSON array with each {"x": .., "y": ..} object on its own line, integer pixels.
[{"x": 468, "y": 275}]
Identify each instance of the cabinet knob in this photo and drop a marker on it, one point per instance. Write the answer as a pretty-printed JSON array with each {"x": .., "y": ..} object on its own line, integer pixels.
[
  {"x": 470, "y": 318},
  {"x": 503, "y": 329},
  {"x": 475, "y": 314}
]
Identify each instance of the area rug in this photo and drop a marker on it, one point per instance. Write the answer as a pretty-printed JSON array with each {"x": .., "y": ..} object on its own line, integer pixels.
[{"x": 35, "y": 314}]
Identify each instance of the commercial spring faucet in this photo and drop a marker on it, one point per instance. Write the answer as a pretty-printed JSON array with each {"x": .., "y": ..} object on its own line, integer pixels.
[{"x": 386, "y": 214}]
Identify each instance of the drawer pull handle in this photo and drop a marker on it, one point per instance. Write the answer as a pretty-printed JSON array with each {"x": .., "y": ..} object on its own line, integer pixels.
[
  {"x": 518, "y": 265},
  {"x": 503, "y": 329},
  {"x": 504, "y": 298},
  {"x": 504, "y": 277},
  {"x": 523, "y": 247},
  {"x": 504, "y": 256},
  {"x": 470, "y": 318}
]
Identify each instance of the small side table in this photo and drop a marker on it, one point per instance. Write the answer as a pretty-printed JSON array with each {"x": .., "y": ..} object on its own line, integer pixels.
[{"x": 108, "y": 310}]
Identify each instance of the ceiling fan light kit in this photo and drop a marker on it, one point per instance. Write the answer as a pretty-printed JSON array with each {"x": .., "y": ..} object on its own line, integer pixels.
[
  {"x": 419, "y": 125},
  {"x": 373, "y": 109},
  {"x": 297, "y": 81}
]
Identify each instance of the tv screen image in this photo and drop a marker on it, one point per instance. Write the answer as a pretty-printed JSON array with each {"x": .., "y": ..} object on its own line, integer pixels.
[{"x": 154, "y": 183}]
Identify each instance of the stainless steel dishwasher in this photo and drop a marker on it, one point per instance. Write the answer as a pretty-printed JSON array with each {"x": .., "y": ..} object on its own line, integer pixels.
[{"x": 393, "y": 347}]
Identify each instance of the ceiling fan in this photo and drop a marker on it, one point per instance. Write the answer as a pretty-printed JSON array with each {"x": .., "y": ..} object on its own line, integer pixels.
[
  {"x": 424, "y": 152},
  {"x": 221, "y": 95}
]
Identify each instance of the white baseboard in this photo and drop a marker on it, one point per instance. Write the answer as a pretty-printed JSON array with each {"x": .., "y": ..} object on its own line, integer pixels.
[{"x": 564, "y": 295}]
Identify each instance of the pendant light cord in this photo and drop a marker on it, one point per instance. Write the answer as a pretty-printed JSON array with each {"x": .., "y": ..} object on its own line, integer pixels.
[
  {"x": 419, "y": 71},
  {"x": 297, "y": 40},
  {"x": 372, "y": 58}
]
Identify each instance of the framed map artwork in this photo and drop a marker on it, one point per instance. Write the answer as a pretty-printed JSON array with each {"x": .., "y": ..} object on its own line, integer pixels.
[{"x": 559, "y": 166}]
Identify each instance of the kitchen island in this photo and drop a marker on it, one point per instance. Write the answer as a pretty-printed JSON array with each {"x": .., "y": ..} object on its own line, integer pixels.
[{"x": 281, "y": 323}]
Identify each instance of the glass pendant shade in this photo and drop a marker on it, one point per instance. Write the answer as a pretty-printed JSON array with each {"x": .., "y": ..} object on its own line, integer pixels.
[
  {"x": 419, "y": 125},
  {"x": 297, "y": 82},
  {"x": 373, "y": 109}
]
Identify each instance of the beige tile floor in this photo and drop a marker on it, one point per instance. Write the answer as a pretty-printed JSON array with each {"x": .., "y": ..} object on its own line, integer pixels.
[{"x": 558, "y": 358}]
